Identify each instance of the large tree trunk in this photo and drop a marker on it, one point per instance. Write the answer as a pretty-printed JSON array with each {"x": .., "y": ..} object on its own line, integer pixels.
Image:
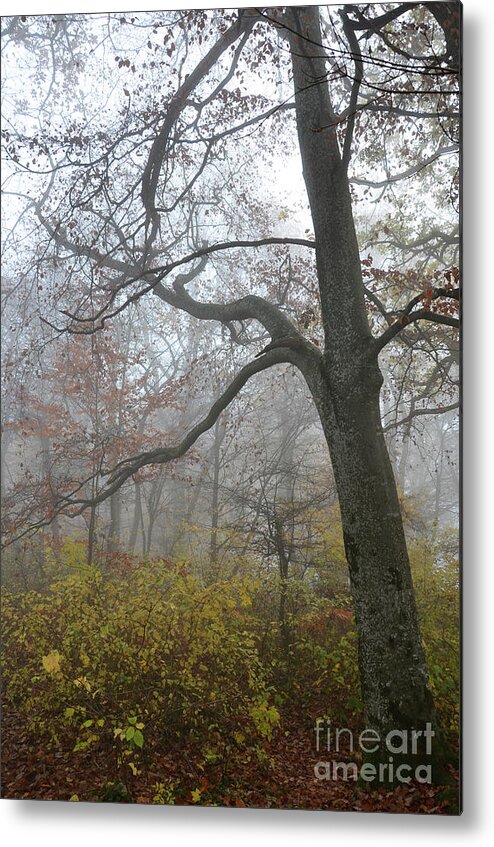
[
  {"x": 346, "y": 388},
  {"x": 393, "y": 673}
]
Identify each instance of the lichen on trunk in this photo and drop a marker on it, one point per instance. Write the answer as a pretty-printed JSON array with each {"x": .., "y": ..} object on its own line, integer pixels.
[{"x": 345, "y": 387}]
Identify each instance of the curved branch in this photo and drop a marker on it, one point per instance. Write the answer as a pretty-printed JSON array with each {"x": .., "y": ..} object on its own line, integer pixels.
[
  {"x": 370, "y": 295},
  {"x": 408, "y": 316},
  {"x": 155, "y": 275},
  {"x": 374, "y": 24},
  {"x": 251, "y": 307},
  {"x": 257, "y": 119},
  {"x": 162, "y": 455},
  {"x": 451, "y": 293},
  {"x": 439, "y": 410},
  {"x": 243, "y": 24},
  {"x": 412, "y": 171},
  {"x": 229, "y": 245},
  {"x": 410, "y": 113},
  {"x": 407, "y": 319},
  {"x": 448, "y": 239}
]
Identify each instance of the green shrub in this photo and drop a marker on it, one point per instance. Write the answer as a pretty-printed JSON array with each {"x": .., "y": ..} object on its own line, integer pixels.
[
  {"x": 135, "y": 663},
  {"x": 436, "y": 581}
]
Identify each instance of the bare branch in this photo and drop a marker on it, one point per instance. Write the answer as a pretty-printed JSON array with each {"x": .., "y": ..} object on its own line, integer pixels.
[
  {"x": 154, "y": 276},
  {"x": 374, "y": 24},
  {"x": 357, "y": 80},
  {"x": 439, "y": 410},
  {"x": 73, "y": 506},
  {"x": 251, "y": 307},
  {"x": 407, "y": 319},
  {"x": 409, "y": 172},
  {"x": 242, "y": 25}
]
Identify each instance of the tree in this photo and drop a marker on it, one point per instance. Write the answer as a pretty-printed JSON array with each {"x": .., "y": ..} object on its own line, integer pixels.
[{"x": 137, "y": 200}]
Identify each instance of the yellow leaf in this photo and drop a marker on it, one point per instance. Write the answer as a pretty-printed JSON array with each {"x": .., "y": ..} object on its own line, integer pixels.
[
  {"x": 196, "y": 795},
  {"x": 51, "y": 662},
  {"x": 74, "y": 798}
]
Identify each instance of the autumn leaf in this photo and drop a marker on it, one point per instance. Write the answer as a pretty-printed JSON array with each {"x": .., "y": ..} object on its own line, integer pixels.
[{"x": 51, "y": 662}]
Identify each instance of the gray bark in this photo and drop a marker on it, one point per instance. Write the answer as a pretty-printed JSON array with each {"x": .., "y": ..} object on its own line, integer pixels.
[{"x": 346, "y": 388}]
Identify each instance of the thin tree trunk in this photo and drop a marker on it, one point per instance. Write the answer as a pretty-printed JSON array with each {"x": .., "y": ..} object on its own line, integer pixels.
[
  {"x": 46, "y": 467},
  {"x": 219, "y": 434},
  {"x": 136, "y": 521},
  {"x": 91, "y": 535},
  {"x": 405, "y": 451},
  {"x": 6, "y": 437},
  {"x": 115, "y": 522},
  {"x": 283, "y": 566},
  {"x": 439, "y": 482}
]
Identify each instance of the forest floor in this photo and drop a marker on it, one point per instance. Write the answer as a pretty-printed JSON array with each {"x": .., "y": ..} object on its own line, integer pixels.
[{"x": 286, "y": 781}]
